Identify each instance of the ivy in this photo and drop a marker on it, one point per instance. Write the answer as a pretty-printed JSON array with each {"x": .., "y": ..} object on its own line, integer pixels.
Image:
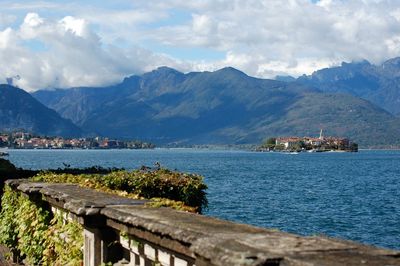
[
  {"x": 8, "y": 221},
  {"x": 28, "y": 229},
  {"x": 39, "y": 237},
  {"x": 32, "y": 225},
  {"x": 64, "y": 242}
]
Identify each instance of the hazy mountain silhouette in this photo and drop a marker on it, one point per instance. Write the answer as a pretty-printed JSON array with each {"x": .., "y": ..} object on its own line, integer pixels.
[
  {"x": 19, "y": 110},
  {"x": 380, "y": 84}
]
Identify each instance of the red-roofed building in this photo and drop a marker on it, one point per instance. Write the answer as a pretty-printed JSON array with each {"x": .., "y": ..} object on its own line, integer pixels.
[{"x": 288, "y": 142}]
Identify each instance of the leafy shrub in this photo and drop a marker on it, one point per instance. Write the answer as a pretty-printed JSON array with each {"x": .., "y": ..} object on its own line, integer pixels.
[
  {"x": 148, "y": 184},
  {"x": 6, "y": 166},
  {"x": 38, "y": 237}
]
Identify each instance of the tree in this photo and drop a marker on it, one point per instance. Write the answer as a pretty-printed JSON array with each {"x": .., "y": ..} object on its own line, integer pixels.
[
  {"x": 280, "y": 147},
  {"x": 354, "y": 146},
  {"x": 270, "y": 142}
]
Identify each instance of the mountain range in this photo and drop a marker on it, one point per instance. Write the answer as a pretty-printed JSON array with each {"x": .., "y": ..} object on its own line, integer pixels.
[
  {"x": 379, "y": 84},
  {"x": 228, "y": 107},
  {"x": 355, "y": 100},
  {"x": 19, "y": 110}
]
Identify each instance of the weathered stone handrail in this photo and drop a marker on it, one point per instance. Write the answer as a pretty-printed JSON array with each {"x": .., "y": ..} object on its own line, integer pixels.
[{"x": 160, "y": 235}]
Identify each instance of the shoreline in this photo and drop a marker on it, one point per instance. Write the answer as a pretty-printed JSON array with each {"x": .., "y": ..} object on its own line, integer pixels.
[{"x": 9, "y": 150}]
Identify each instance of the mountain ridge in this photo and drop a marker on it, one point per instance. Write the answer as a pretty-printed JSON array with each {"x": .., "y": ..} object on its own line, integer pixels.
[
  {"x": 221, "y": 107},
  {"x": 19, "y": 110},
  {"x": 379, "y": 84}
]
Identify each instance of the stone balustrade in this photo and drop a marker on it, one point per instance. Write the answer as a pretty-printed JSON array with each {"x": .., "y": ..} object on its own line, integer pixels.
[{"x": 162, "y": 236}]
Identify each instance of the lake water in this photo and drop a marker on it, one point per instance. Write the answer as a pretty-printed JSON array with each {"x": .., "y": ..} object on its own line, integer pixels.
[{"x": 354, "y": 196}]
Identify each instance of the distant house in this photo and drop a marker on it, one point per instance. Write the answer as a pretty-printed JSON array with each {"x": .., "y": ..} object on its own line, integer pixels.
[
  {"x": 339, "y": 143},
  {"x": 313, "y": 141},
  {"x": 4, "y": 138},
  {"x": 22, "y": 135},
  {"x": 24, "y": 144},
  {"x": 288, "y": 142},
  {"x": 109, "y": 144},
  {"x": 312, "y": 144},
  {"x": 22, "y": 140}
]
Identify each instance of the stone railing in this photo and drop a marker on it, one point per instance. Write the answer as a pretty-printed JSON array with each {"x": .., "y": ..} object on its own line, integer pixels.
[{"x": 162, "y": 236}]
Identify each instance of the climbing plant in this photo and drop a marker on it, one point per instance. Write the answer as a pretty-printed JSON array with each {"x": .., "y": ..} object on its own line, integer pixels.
[
  {"x": 64, "y": 242},
  {"x": 37, "y": 238},
  {"x": 8, "y": 221}
]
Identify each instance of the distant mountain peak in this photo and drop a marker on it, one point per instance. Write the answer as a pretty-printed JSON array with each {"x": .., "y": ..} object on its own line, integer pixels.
[
  {"x": 8, "y": 87},
  {"x": 19, "y": 110},
  {"x": 285, "y": 78},
  {"x": 162, "y": 72},
  {"x": 392, "y": 62},
  {"x": 376, "y": 83},
  {"x": 130, "y": 79},
  {"x": 12, "y": 90},
  {"x": 166, "y": 69},
  {"x": 227, "y": 106},
  {"x": 230, "y": 70},
  {"x": 356, "y": 63}
]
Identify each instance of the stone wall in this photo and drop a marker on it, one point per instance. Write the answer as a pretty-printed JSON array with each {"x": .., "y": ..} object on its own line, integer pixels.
[{"x": 125, "y": 232}]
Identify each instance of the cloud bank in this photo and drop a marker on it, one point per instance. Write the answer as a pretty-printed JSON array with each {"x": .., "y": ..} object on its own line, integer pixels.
[
  {"x": 50, "y": 44},
  {"x": 66, "y": 53}
]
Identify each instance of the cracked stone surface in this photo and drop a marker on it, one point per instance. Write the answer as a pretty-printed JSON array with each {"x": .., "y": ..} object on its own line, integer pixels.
[
  {"x": 78, "y": 200},
  {"x": 227, "y": 243},
  {"x": 210, "y": 241}
]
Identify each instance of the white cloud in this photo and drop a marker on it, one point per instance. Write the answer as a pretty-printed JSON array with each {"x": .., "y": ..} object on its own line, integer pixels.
[
  {"x": 76, "y": 26},
  {"x": 14, "y": 5},
  {"x": 33, "y": 20},
  {"x": 6, "y": 38},
  {"x": 75, "y": 56},
  {"x": 97, "y": 45},
  {"x": 292, "y": 36},
  {"x": 6, "y": 19}
]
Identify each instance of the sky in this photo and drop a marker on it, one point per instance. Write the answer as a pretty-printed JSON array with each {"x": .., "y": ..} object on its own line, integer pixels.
[{"x": 60, "y": 44}]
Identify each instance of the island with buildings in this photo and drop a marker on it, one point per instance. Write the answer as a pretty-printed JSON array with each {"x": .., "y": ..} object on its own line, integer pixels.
[
  {"x": 308, "y": 144},
  {"x": 24, "y": 140}
]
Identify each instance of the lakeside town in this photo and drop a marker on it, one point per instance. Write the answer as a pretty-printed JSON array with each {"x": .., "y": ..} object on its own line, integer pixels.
[
  {"x": 308, "y": 144},
  {"x": 24, "y": 140}
]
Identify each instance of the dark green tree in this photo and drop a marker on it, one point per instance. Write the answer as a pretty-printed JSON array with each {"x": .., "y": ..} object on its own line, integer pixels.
[{"x": 270, "y": 143}]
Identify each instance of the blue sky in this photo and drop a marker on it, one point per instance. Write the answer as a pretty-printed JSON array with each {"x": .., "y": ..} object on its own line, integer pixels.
[{"x": 93, "y": 43}]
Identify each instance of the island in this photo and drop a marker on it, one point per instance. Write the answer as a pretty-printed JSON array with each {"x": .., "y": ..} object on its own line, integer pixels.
[{"x": 308, "y": 144}]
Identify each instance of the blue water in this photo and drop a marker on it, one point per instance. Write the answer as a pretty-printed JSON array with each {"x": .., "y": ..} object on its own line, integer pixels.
[{"x": 354, "y": 196}]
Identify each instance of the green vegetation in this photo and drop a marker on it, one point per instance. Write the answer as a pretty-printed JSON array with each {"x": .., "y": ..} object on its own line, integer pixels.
[
  {"x": 6, "y": 166},
  {"x": 269, "y": 143},
  {"x": 34, "y": 236},
  {"x": 64, "y": 242},
  {"x": 188, "y": 189},
  {"x": 9, "y": 171},
  {"x": 165, "y": 187}
]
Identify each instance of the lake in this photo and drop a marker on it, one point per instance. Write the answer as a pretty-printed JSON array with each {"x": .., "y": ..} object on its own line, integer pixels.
[{"x": 354, "y": 196}]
